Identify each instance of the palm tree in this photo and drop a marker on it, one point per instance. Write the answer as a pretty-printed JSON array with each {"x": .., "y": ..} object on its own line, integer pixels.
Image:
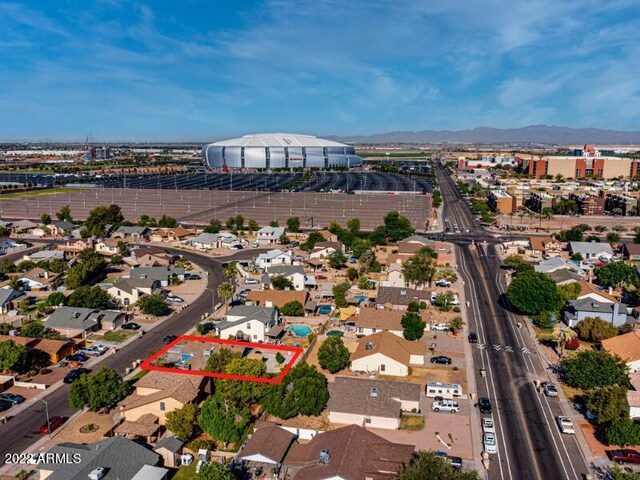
[
  {"x": 547, "y": 213},
  {"x": 563, "y": 335},
  {"x": 230, "y": 271},
  {"x": 225, "y": 291}
]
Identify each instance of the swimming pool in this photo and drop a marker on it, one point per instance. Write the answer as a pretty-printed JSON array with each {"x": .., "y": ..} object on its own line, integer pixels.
[
  {"x": 361, "y": 298},
  {"x": 299, "y": 330},
  {"x": 335, "y": 333},
  {"x": 325, "y": 309}
]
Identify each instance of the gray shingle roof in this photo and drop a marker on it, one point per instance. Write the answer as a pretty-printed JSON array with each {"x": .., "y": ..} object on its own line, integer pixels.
[
  {"x": 9, "y": 294},
  {"x": 285, "y": 270},
  {"x": 132, "y": 230},
  {"x": 401, "y": 296},
  {"x": 591, "y": 248},
  {"x": 155, "y": 273},
  {"x": 173, "y": 444}
]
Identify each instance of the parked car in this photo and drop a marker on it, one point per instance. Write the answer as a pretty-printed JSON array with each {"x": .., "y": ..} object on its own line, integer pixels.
[
  {"x": 244, "y": 293},
  {"x": 95, "y": 350},
  {"x": 237, "y": 246},
  {"x": 76, "y": 357},
  {"x": 11, "y": 398},
  {"x": 53, "y": 423},
  {"x": 131, "y": 326},
  {"x": 192, "y": 276},
  {"x": 168, "y": 339},
  {"x": 252, "y": 281},
  {"x": 490, "y": 443},
  {"x": 484, "y": 404},
  {"x": 175, "y": 299},
  {"x": 443, "y": 283},
  {"x": 487, "y": 425},
  {"x": 74, "y": 375},
  {"x": 441, "y": 359},
  {"x": 255, "y": 244},
  {"x": 293, "y": 244},
  {"x": 445, "y": 406},
  {"x": 549, "y": 389},
  {"x": 441, "y": 327},
  {"x": 456, "y": 462},
  {"x": 626, "y": 455},
  {"x": 473, "y": 337},
  {"x": 566, "y": 425},
  {"x": 5, "y": 405},
  {"x": 207, "y": 327}
]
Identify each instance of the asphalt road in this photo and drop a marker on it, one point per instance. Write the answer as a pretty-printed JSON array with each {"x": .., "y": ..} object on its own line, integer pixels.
[
  {"x": 530, "y": 445},
  {"x": 20, "y": 432}
]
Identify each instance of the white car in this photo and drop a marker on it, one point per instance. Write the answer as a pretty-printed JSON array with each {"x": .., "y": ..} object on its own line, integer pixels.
[
  {"x": 94, "y": 350},
  {"x": 175, "y": 299},
  {"x": 443, "y": 283},
  {"x": 487, "y": 425},
  {"x": 445, "y": 406},
  {"x": 490, "y": 443},
  {"x": 566, "y": 425},
  {"x": 440, "y": 327},
  {"x": 252, "y": 281}
]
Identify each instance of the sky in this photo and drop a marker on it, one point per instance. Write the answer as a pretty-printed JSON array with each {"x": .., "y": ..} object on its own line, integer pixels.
[{"x": 202, "y": 70}]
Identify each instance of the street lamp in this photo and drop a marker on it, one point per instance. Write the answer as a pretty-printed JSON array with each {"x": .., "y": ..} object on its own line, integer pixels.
[{"x": 46, "y": 408}]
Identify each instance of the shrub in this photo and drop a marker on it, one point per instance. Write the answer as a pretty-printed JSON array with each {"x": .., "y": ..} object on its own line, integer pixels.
[{"x": 572, "y": 344}]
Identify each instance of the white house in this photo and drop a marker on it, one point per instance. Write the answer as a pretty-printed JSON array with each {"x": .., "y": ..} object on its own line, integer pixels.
[
  {"x": 592, "y": 250},
  {"x": 395, "y": 276},
  {"x": 207, "y": 241},
  {"x": 294, "y": 273},
  {"x": 44, "y": 255},
  {"x": 107, "y": 247},
  {"x": 269, "y": 234},
  {"x": 323, "y": 250},
  {"x": 371, "y": 403},
  {"x": 387, "y": 354},
  {"x": 444, "y": 390},
  {"x": 128, "y": 291},
  {"x": 251, "y": 323},
  {"x": 274, "y": 258}
]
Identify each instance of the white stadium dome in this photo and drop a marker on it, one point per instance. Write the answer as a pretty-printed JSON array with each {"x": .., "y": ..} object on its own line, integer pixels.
[{"x": 279, "y": 150}]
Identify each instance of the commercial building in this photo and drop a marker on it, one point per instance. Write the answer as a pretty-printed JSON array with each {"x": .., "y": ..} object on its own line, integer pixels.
[
  {"x": 501, "y": 202},
  {"x": 588, "y": 204},
  {"x": 622, "y": 205},
  {"x": 279, "y": 150},
  {"x": 539, "y": 201}
]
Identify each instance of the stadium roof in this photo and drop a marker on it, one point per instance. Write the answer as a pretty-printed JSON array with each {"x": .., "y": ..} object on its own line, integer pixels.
[{"x": 279, "y": 140}]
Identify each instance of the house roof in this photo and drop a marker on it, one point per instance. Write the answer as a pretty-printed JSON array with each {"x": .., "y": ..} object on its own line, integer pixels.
[
  {"x": 130, "y": 284},
  {"x": 206, "y": 238},
  {"x": 595, "y": 306},
  {"x": 626, "y": 346},
  {"x": 145, "y": 426},
  {"x": 40, "y": 275},
  {"x": 278, "y": 297},
  {"x": 540, "y": 243},
  {"x": 72, "y": 317},
  {"x": 564, "y": 276},
  {"x": 248, "y": 312},
  {"x": 24, "y": 341},
  {"x": 275, "y": 232},
  {"x": 271, "y": 442},
  {"x": 354, "y": 395},
  {"x": 63, "y": 224},
  {"x": 409, "y": 248},
  {"x": 634, "y": 380},
  {"x": 154, "y": 273},
  {"x": 121, "y": 457},
  {"x": 632, "y": 248},
  {"x": 23, "y": 225},
  {"x": 553, "y": 264},
  {"x": 110, "y": 242},
  {"x": 8, "y": 294},
  {"x": 179, "y": 231},
  {"x": 381, "y": 319},
  {"x": 271, "y": 254},
  {"x": 591, "y": 248},
  {"x": 389, "y": 345},
  {"x": 286, "y": 270},
  {"x": 45, "y": 255},
  {"x": 356, "y": 454},
  {"x": 52, "y": 347},
  {"x": 150, "y": 472},
  {"x": 400, "y": 296},
  {"x": 587, "y": 288},
  {"x": 633, "y": 398},
  {"x": 183, "y": 388},
  {"x": 130, "y": 230},
  {"x": 173, "y": 444},
  {"x": 424, "y": 241},
  {"x": 337, "y": 246}
]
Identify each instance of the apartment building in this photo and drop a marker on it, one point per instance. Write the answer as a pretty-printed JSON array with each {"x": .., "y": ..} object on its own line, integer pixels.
[
  {"x": 501, "y": 202},
  {"x": 537, "y": 202},
  {"x": 622, "y": 204},
  {"x": 588, "y": 204},
  {"x": 579, "y": 167}
]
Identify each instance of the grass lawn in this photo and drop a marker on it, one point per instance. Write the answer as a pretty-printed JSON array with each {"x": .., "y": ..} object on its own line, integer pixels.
[
  {"x": 412, "y": 423},
  {"x": 38, "y": 193},
  {"x": 138, "y": 375},
  {"x": 117, "y": 336},
  {"x": 186, "y": 473},
  {"x": 544, "y": 334}
]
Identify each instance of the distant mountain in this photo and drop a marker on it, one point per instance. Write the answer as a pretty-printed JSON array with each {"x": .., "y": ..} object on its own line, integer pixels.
[{"x": 485, "y": 135}]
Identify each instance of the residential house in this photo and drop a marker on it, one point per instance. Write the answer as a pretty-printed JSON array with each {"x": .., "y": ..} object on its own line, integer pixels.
[
  {"x": 268, "y": 235},
  {"x": 9, "y": 246},
  {"x": 251, "y": 323},
  {"x": 267, "y": 446},
  {"x": 400, "y": 298},
  {"x": 591, "y": 291},
  {"x": 408, "y": 247},
  {"x": 171, "y": 234},
  {"x": 41, "y": 231},
  {"x": 158, "y": 393},
  {"x": 61, "y": 227},
  {"x": 347, "y": 453},
  {"x": 592, "y": 250},
  {"x": 107, "y": 246},
  {"x": 554, "y": 264},
  {"x": 151, "y": 257},
  {"x": 79, "y": 322},
  {"x": 387, "y": 354},
  {"x": 78, "y": 245},
  {"x": 44, "y": 256},
  {"x": 633, "y": 396},
  {"x": 328, "y": 236},
  {"x": 395, "y": 276},
  {"x": 545, "y": 246},
  {"x": 274, "y": 258},
  {"x": 55, "y": 349},
  {"x": 371, "y": 403},
  {"x": 128, "y": 291},
  {"x": 131, "y": 233},
  {"x": 9, "y": 299},
  {"x": 23, "y": 226},
  {"x": 614, "y": 313},
  {"x": 322, "y": 250},
  {"x": 627, "y": 347},
  {"x": 170, "y": 450},
  {"x": 208, "y": 241},
  {"x": 294, "y": 273},
  {"x": 161, "y": 274},
  {"x": 631, "y": 251},
  {"x": 373, "y": 320},
  {"x": 565, "y": 276},
  {"x": 277, "y": 298},
  {"x": 39, "y": 279},
  {"x": 120, "y": 457}
]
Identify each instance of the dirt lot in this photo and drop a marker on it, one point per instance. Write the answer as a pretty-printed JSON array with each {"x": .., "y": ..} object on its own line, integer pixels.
[{"x": 71, "y": 432}]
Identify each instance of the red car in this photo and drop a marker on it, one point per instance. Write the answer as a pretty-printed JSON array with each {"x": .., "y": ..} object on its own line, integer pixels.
[
  {"x": 54, "y": 423},
  {"x": 625, "y": 456}
]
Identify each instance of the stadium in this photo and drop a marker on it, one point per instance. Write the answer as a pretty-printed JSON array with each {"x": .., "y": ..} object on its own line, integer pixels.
[{"x": 279, "y": 150}]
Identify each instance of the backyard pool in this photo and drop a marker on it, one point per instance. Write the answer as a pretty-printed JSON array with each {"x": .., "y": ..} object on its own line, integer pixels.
[
  {"x": 324, "y": 309},
  {"x": 335, "y": 333},
  {"x": 299, "y": 330},
  {"x": 361, "y": 298}
]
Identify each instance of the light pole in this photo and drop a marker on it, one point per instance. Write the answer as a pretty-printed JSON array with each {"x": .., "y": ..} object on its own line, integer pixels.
[{"x": 46, "y": 409}]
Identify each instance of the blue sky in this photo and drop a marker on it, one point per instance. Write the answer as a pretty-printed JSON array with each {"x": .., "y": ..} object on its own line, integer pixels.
[{"x": 204, "y": 70}]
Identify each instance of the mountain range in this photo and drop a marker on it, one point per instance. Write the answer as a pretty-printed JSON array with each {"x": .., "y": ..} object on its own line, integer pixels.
[{"x": 536, "y": 134}]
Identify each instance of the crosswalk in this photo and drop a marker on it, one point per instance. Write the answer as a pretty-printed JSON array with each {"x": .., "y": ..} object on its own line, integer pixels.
[{"x": 496, "y": 347}]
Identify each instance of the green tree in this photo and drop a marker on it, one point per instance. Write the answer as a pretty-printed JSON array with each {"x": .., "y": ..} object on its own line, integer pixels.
[
  {"x": 397, "y": 227},
  {"x": 283, "y": 239},
  {"x": 340, "y": 294},
  {"x": 594, "y": 368},
  {"x": 427, "y": 465},
  {"x": 517, "y": 264},
  {"x": 89, "y": 297},
  {"x": 241, "y": 392},
  {"x": 456, "y": 325},
  {"x": 352, "y": 274},
  {"x": 623, "y": 432},
  {"x": 35, "y": 329},
  {"x": 231, "y": 222},
  {"x": 223, "y": 419},
  {"x": 100, "y": 217},
  {"x": 231, "y": 271},
  {"x": 354, "y": 226},
  {"x": 595, "y": 329},
  {"x": 253, "y": 226},
  {"x": 420, "y": 269},
  {"x": 280, "y": 358},
  {"x": 333, "y": 355},
  {"x": 45, "y": 218},
  {"x": 153, "y": 305},
  {"x": 303, "y": 391},
  {"x": 363, "y": 283},
  {"x": 600, "y": 228},
  {"x": 54, "y": 299},
  {"x": 90, "y": 266},
  {"x": 217, "y": 361},
  {"x": 616, "y": 274},
  {"x": 613, "y": 237},
  {"x": 167, "y": 222},
  {"x": 64, "y": 214},
  {"x": 563, "y": 335},
  {"x": 312, "y": 239},
  {"x": 214, "y": 471},
  {"x": 608, "y": 403},
  {"x": 292, "y": 309},
  {"x": 569, "y": 291},
  {"x": 182, "y": 421},
  {"x": 274, "y": 223},
  {"x": 572, "y": 235},
  {"x": 366, "y": 259},
  {"x": 103, "y": 389},
  {"x": 239, "y": 222},
  {"x": 12, "y": 356},
  {"x": 533, "y": 292},
  {"x": 57, "y": 265},
  {"x": 214, "y": 226},
  {"x": 337, "y": 260},
  {"x": 293, "y": 224},
  {"x": 281, "y": 283},
  {"x": 413, "y": 326},
  {"x": 225, "y": 291},
  {"x": 5, "y": 328}
]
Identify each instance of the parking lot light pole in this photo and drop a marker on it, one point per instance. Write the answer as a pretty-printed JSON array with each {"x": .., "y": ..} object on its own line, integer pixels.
[{"x": 46, "y": 409}]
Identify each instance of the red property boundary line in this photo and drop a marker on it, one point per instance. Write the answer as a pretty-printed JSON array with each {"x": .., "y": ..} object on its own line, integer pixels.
[{"x": 297, "y": 351}]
